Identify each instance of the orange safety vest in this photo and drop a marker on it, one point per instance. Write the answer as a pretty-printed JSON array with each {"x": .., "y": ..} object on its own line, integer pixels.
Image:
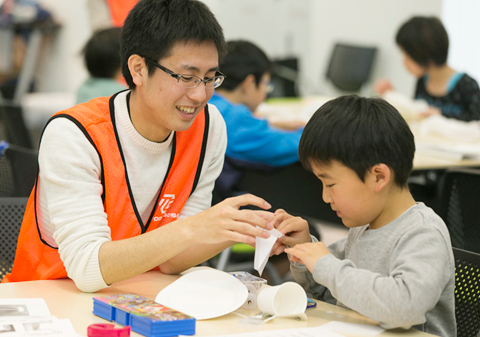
[
  {"x": 119, "y": 10},
  {"x": 36, "y": 259}
]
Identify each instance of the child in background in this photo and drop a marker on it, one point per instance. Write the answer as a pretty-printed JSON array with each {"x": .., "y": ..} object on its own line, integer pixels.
[
  {"x": 102, "y": 59},
  {"x": 252, "y": 142},
  {"x": 396, "y": 265},
  {"x": 424, "y": 45},
  {"x": 247, "y": 70}
]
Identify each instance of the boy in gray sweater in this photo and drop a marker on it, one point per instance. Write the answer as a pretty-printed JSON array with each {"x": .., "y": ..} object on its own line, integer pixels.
[{"x": 396, "y": 265}]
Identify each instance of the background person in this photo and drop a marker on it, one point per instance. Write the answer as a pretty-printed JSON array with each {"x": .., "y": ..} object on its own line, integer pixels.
[
  {"x": 424, "y": 44},
  {"x": 102, "y": 59},
  {"x": 252, "y": 141}
]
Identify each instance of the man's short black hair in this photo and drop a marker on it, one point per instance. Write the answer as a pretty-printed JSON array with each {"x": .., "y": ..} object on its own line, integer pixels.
[
  {"x": 153, "y": 27},
  {"x": 425, "y": 40},
  {"x": 359, "y": 133},
  {"x": 243, "y": 58},
  {"x": 102, "y": 53}
]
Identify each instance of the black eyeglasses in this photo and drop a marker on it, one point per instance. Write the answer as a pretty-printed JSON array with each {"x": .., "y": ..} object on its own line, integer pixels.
[{"x": 191, "y": 81}]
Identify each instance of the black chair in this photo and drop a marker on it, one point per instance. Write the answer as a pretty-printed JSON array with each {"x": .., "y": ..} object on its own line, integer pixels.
[
  {"x": 458, "y": 205},
  {"x": 350, "y": 66},
  {"x": 467, "y": 293},
  {"x": 16, "y": 132},
  {"x": 285, "y": 77},
  {"x": 18, "y": 171},
  {"x": 11, "y": 216}
]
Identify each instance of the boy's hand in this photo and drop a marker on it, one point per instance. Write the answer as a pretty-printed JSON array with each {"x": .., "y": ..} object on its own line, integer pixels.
[
  {"x": 307, "y": 253},
  {"x": 288, "y": 125},
  {"x": 294, "y": 229}
]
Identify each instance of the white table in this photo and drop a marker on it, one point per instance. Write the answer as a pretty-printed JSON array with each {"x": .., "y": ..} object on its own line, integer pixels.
[
  {"x": 65, "y": 301},
  {"x": 289, "y": 109}
]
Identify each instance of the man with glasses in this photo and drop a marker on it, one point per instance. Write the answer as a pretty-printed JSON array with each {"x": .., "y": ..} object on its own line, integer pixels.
[
  {"x": 125, "y": 182},
  {"x": 251, "y": 141}
]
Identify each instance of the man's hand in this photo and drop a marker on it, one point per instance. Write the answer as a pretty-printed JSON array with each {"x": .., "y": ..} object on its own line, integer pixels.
[
  {"x": 307, "y": 253},
  {"x": 227, "y": 222},
  {"x": 294, "y": 229}
]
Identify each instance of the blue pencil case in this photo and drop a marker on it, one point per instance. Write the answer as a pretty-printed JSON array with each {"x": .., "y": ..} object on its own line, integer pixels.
[{"x": 145, "y": 316}]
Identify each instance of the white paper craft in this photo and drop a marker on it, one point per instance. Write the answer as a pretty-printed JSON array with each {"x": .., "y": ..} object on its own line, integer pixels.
[{"x": 263, "y": 247}]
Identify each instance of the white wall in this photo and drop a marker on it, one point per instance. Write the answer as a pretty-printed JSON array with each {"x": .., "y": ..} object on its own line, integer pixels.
[
  {"x": 280, "y": 27},
  {"x": 60, "y": 65},
  {"x": 307, "y": 28},
  {"x": 369, "y": 22},
  {"x": 463, "y": 27}
]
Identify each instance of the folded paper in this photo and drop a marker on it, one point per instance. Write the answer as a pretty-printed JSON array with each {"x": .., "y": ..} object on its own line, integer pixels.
[{"x": 263, "y": 247}]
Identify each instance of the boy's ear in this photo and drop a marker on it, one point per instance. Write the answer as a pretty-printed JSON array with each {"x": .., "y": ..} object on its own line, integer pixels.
[
  {"x": 247, "y": 83},
  {"x": 138, "y": 69},
  {"x": 381, "y": 175}
]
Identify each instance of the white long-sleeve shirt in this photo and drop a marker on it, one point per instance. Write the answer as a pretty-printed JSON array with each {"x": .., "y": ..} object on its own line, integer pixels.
[{"x": 71, "y": 208}]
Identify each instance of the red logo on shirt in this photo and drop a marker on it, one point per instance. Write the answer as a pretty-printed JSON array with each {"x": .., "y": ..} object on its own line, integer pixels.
[
  {"x": 166, "y": 202},
  {"x": 164, "y": 205}
]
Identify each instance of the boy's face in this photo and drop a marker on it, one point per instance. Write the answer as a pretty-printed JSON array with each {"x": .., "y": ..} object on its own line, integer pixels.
[
  {"x": 166, "y": 105},
  {"x": 258, "y": 93},
  {"x": 353, "y": 200}
]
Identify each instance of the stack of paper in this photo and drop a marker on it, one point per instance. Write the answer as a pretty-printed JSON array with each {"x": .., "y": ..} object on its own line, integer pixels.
[
  {"x": 30, "y": 317},
  {"x": 450, "y": 129},
  {"x": 409, "y": 108}
]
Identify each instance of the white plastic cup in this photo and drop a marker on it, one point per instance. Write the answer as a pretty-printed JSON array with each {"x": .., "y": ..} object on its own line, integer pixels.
[{"x": 287, "y": 299}]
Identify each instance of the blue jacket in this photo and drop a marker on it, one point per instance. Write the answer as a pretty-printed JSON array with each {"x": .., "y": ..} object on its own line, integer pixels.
[{"x": 252, "y": 139}]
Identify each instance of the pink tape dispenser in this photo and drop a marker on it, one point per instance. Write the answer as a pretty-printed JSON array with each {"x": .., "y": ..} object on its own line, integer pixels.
[{"x": 107, "y": 330}]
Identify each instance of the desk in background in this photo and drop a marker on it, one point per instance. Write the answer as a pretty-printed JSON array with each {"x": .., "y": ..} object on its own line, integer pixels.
[
  {"x": 65, "y": 301},
  {"x": 294, "y": 109}
]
